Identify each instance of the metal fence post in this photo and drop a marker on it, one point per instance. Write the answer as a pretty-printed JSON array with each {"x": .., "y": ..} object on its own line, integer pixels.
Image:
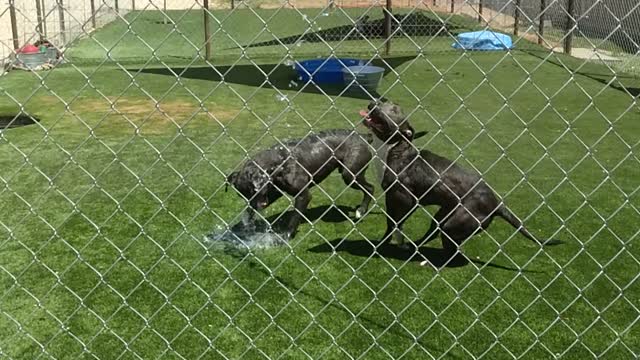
[
  {"x": 44, "y": 21},
  {"x": 543, "y": 7},
  {"x": 207, "y": 32},
  {"x": 387, "y": 27},
  {"x": 39, "y": 19},
  {"x": 516, "y": 19},
  {"x": 63, "y": 31},
  {"x": 570, "y": 24},
  {"x": 164, "y": 12},
  {"x": 93, "y": 13},
  {"x": 14, "y": 24}
]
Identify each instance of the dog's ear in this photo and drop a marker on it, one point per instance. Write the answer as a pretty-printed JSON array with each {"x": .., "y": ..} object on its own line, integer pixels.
[{"x": 231, "y": 178}]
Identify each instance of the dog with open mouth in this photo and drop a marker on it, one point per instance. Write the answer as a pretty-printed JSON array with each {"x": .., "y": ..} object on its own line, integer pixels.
[
  {"x": 295, "y": 166},
  {"x": 415, "y": 178}
]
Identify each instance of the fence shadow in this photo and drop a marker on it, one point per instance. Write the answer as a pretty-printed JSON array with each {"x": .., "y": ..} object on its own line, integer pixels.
[
  {"x": 434, "y": 256},
  {"x": 414, "y": 24},
  {"x": 14, "y": 121},
  {"x": 602, "y": 78},
  {"x": 337, "y": 305},
  {"x": 270, "y": 76}
]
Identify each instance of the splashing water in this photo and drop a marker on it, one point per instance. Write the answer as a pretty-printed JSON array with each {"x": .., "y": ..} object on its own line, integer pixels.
[{"x": 246, "y": 235}]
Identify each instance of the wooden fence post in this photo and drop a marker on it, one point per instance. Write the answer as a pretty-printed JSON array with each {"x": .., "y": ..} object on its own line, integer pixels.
[{"x": 480, "y": 9}]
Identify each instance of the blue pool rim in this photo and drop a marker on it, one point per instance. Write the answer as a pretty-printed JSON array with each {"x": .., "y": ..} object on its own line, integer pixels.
[{"x": 325, "y": 71}]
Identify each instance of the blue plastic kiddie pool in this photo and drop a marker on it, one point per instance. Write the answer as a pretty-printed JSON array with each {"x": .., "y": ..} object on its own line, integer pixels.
[{"x": 325, "y": 71}]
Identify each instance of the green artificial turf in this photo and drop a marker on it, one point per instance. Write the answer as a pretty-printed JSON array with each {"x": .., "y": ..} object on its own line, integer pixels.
[{"x": 107, "y": 201}]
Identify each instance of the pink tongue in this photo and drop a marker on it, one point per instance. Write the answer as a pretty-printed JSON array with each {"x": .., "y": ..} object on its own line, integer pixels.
[{"x": 364, "y": 113}]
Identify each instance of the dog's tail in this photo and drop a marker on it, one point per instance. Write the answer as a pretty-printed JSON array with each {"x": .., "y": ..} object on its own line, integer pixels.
[{"x": 506, "y": 214}]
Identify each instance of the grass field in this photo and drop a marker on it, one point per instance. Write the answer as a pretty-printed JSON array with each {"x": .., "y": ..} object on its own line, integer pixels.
[
  {"x": 143, "y": 37},
  {"x": 106, "y": 203}
]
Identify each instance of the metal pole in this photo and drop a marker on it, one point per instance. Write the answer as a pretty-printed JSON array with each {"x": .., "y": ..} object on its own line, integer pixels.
[
  {"x": 207, "y": 33},
  {"x": 516, "y": 19},
  {"x": 543, "y": 7},
  {"x": 116, "y": 6},
  {"x": 571, "y": 22},
  {"x": 387, "y": 27},
  {"x": 39, "y": 18},
  {"x": 164, "y": 10},
  {"x": 63, "y": 30},
  {"x": 44, "y": 23},
  {"x": 14, "y": 24},
  {"x": 93, "y": 13}
]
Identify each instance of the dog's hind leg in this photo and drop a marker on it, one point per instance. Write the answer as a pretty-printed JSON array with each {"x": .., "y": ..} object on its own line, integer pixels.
[
  {"x": 459, "y": 226},
  {"x": 436, "y": 223}
]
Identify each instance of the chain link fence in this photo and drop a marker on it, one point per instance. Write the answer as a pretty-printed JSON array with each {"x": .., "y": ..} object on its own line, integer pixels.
[{"x": 116, "y": 222}]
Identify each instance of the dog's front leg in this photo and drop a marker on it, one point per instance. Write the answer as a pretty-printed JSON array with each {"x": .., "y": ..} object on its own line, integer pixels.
[
  {"x": 399, "y": 206},
  {"x": 301, "y": 202}
]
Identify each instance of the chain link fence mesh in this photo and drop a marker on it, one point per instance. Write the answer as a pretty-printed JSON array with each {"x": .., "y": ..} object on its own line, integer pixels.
[{"x": 113, "y": 167}]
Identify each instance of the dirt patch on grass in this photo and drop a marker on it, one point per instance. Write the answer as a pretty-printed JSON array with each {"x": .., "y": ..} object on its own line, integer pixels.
[{"x": 150, "y": 117}]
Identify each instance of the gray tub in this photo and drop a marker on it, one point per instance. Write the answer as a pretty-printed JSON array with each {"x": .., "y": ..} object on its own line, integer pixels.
[
  {"x": 32, "y": 61},
  {"x": 363, "y": 77}
]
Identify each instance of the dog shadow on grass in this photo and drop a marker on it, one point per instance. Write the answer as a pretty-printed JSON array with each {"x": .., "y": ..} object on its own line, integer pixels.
[
  {"x": 435, "y": 257},
  {"x": 324, "y": 213}
]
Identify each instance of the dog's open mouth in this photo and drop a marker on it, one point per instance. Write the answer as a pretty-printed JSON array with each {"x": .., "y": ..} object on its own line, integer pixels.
[{"x": 367, "y": 121}]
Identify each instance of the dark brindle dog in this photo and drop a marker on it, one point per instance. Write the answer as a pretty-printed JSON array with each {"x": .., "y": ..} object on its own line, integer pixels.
[
  {"x": 297, "y": 165},
  {"x": 467, "y": 204}
]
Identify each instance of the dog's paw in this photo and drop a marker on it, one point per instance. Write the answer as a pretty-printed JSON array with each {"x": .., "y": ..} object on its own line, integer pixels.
[{"x": 359, "y": 214}]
